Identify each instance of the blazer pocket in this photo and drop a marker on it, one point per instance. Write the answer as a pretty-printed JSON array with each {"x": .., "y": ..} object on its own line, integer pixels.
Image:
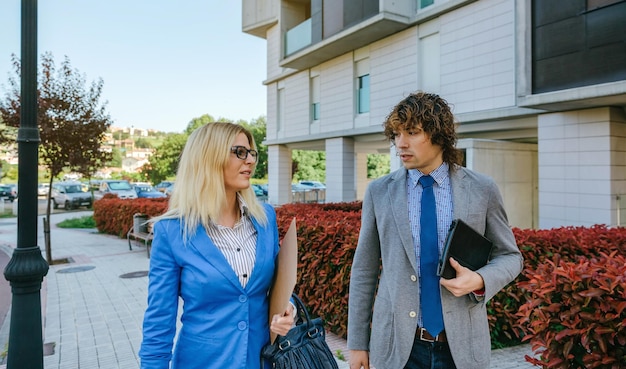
[{"x": 381, "y": 337}]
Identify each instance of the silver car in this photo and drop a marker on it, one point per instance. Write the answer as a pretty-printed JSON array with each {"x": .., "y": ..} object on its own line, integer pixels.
[{"x": 70, "y": 195}]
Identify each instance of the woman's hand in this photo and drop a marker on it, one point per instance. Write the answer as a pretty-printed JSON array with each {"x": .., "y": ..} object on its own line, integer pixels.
[{"x": 281, "y": 324}]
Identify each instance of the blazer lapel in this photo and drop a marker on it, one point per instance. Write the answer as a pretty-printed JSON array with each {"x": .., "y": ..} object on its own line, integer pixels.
[
  {"x": 398, "y": 204},
  {"x": 202, "y": 243},
  {"x": 263, "y": 255},
  {"x": 460, "y": 194}
]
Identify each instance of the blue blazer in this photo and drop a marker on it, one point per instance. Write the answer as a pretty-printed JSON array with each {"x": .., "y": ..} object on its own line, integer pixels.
[{"x": 223, "y": 324}]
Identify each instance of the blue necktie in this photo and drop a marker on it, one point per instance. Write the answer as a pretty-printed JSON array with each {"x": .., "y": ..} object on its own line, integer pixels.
[{"x": 432, "y": 315}]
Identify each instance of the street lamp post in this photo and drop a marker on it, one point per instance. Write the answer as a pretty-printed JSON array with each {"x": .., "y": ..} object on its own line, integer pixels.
[{"x": 27, "y": 267}]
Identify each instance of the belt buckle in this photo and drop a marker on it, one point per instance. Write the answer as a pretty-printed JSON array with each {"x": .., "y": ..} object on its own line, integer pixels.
[{"x": 422, "y": 330}]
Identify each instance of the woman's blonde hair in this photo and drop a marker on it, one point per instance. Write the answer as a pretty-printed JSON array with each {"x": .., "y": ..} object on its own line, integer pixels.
[{"x": 199, "y": 195}]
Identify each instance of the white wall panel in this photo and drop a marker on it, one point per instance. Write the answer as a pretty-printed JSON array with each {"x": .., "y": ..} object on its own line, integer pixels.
[
  {"x": 393, "y": 72},
  {"x": 337, "y": 94},
  {"x": 297, "y": 104},
  {"x": 478, "y": 41}
]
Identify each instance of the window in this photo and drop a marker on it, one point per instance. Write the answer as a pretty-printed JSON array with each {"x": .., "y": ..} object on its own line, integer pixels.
[
  {"x": 280, "y": 116},
  {"x": 425, "y": 3},
  {"x": 315, "y": 98},
  {"x": 363, "y": 102},
  {"x": 315, "y": 107}
]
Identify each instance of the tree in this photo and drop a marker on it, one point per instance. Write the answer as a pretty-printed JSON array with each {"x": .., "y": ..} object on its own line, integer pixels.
[
  {"x": 198, "y": 122},
  {"x": 72, "y": 121},
  {"x": 143, "y": 143},
  {"x": 378, "y": 165},
  {"x": 310, "y": 165},
  {"x": 164, "y": 162},
  {"x": 258, "y": 128}
]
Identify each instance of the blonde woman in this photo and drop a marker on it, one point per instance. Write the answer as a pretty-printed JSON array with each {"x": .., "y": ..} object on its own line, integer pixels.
[{"x": 215, "y": 250}]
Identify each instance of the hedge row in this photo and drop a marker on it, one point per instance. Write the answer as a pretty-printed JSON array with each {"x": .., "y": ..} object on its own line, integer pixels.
[{"x": 569, "y": 302}]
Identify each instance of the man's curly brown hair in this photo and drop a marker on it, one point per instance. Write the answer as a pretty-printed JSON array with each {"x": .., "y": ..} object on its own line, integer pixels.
[{"x": 431, "y": 113}]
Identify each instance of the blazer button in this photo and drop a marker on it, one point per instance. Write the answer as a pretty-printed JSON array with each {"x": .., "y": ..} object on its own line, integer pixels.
[
  {"x": 243, "y": 298},
  {"x": 412, "y": 314},
  {"x": 242, "y": 325},
  {"x": 413, "y": 278}
]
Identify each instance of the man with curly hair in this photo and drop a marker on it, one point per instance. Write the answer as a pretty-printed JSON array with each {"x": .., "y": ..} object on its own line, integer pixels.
[{"x": 401, "y": 314}]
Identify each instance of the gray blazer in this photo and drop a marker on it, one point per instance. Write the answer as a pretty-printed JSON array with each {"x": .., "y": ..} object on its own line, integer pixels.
[{"x": 385, "y": 237}]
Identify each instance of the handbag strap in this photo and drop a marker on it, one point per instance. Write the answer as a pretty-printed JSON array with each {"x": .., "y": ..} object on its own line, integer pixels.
[{"x": 301, "y": 308}]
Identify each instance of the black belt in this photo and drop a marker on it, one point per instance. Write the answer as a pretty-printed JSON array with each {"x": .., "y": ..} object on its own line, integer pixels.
[{"x": 423, "y": 335}]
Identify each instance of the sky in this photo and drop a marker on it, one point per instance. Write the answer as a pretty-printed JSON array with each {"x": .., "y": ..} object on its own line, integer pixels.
[{"x": 162, "y": 62}]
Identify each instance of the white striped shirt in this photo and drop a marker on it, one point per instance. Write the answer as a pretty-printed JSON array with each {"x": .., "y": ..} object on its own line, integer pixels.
[{"x": 237, "y": 244}]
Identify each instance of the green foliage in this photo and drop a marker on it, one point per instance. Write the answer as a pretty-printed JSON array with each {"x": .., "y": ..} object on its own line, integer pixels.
[
  {"x": 258, "y": 128},
  {"x": 9, "y": 172},
  {"x": 198, "y": 122},
  {"x": 143, "y": 143},
  {"x": 378, "y": 165},
  {"x": 121, "y": 135},
  {"x": 82, "y": 222},
  {"x": 309, "y": 165},
  {"x": 116, "y": 158},
  {"x": 164, "y": 163}
]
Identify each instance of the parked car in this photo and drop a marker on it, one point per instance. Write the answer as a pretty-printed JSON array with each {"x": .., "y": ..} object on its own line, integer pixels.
[
  {"x": 6, "y": 193},
  {"x": 313, "y": 184},
  {"x": 258, "y": 190},
  {"x": 296, "y": 187},
  {"x": 42, "y": 189},
  {"x": 13, "y": 187},
  {"x": 163, "y": 185},
  {"x": 147, "y": 191},
  {"x": 168, "y": 190},
  {"x": 119, "y": 187},
  {"x": 70, "y": 194}
]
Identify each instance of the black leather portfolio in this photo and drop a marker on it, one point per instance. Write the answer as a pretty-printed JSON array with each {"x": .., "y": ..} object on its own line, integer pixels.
[{"x": 470, "y": 248}]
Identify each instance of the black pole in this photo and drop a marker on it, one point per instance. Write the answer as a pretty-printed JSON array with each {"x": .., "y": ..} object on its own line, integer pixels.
[{"x": 27, "y": 267}]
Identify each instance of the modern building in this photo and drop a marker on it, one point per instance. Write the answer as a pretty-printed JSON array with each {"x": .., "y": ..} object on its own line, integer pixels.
[{"x": 538, "y": 88}]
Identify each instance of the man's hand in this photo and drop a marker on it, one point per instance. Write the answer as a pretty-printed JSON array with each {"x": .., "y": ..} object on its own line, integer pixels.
[
  {"x": 359, "y": 359},
  {"x": 466, "y": 280}
]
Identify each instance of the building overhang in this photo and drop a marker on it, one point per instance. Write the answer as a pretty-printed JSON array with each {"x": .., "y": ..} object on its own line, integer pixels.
[
  {"x": 372, "y": 29},
  {"x": 606, "y": 94}
]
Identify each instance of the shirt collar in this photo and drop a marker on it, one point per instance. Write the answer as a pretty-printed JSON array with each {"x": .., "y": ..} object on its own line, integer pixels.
[
  {"x": 439, "y": 174},
  {"x": 243, "y": 206}
]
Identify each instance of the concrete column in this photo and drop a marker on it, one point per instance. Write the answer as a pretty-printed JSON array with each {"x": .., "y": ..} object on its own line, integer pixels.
[
  {"x": 513, "y": 166},
  {"x": 582, "y": 166},
  {"x": 279, "y": 173},
  {"x": 340, "y": 170},
  {"x": 360, "y": 173}
]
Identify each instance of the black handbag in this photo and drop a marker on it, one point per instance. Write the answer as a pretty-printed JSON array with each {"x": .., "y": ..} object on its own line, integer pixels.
[{"x": 304, "y": 346}]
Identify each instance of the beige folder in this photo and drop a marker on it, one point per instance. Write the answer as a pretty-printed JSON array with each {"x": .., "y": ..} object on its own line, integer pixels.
[{"x": 285, "y": 274}]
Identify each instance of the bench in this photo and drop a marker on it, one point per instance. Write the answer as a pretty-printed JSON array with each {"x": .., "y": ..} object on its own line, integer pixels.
[{"x": 140, "y": 231}]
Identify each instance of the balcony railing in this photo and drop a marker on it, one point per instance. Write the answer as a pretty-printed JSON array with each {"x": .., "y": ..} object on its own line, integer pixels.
[{"x": 298, "y": 37}]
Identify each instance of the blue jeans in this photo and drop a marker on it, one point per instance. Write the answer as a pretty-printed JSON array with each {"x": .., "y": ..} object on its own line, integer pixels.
[{"x": 427, "y": 355}]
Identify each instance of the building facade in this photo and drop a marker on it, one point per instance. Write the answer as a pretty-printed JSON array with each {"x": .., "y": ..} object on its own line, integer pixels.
[{"x": 538, "y": 88}]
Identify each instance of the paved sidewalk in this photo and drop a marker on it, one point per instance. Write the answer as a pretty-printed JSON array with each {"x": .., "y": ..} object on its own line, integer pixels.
[{"x": 93, "y": 306}]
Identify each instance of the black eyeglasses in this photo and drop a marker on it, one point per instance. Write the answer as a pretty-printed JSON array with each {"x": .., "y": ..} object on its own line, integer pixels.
[{"x": 242, "y": 152}]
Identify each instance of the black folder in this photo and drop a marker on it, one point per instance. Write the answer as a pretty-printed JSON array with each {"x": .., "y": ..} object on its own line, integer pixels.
[{"x": 470, "y": 248}]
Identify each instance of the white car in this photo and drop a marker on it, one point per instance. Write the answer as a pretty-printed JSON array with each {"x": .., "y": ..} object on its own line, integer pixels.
[
  {"x": 42, "y": 189},
  {"x": 119, "y": 187}
]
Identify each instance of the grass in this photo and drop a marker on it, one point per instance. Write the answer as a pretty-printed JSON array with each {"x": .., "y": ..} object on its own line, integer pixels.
[
  {"x": 82, "y": 222},
  {"x": 4, "y": 353},
  {"x": 8, "y": 211}
]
